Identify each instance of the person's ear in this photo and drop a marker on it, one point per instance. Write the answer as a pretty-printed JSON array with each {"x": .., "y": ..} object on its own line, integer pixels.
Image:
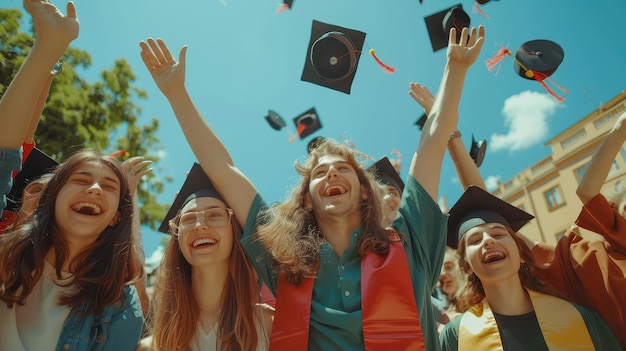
[
  {"x": 116, "y": 219},
  {"x": 364, "y": 192},
  {"x": 307, "y": 203}
]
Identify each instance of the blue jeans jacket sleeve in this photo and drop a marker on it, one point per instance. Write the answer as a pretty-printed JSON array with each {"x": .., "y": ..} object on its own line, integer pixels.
[
  {"x": 117, "y": 328},
  {"x": 10, "y": 160}
]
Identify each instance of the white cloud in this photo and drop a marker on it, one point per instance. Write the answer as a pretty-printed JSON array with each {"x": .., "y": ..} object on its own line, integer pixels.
[
  {"x": 155, "y": 259},
  {"x": 162, "y": 154},
  {"x": 492, "y": 182},
  {"x": 526, "y": 116}
]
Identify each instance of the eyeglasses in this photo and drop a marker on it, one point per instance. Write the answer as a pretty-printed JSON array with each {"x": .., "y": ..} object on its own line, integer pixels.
[{"x": 213, "y": 217}]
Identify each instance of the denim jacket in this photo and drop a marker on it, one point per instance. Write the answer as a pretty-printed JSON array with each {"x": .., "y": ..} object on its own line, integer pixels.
[{"x": 117, "y": 328}]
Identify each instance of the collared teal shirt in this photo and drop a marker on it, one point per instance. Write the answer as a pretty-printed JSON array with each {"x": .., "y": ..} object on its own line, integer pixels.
[{"x": 336, "y": 322}]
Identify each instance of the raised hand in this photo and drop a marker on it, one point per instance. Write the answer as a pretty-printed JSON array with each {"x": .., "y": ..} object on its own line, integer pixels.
[
  {"x": 51, "y": 26},
  {"x": 168, "y": 74},
  {"x": 135, "y": 168},
  {"x": 423, "y": 96},
  {"x": 465, "y": 52}
]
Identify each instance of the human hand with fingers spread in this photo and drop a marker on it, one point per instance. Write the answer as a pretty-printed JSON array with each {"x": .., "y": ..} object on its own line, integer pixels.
[
  {"x": 135, "y": 168},
  {"x": 465, "y": 52},
  {"x": 168, "y": 74},
  {"x": 51, "y": 26},
  {"x": 423, "y": 96}
]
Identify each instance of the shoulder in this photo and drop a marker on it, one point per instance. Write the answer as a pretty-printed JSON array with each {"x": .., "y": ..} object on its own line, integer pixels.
[
  {"x": 145, "y": 344},
  {"x": 449, "y": 337},
  {"x": 266, "y": 316}
]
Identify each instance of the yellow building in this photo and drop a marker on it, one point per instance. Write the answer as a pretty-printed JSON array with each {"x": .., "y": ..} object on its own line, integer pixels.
[{"x": 547, "y": 189}]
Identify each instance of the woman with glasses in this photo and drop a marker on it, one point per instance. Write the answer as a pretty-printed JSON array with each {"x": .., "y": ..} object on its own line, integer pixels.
[{"x": 206, "y": 293}]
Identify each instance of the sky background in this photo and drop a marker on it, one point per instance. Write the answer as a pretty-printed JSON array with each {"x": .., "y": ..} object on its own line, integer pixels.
[{"x": 244, "y": 59}]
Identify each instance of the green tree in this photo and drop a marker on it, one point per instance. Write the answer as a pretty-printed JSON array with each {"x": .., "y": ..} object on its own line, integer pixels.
[{"x": 101, "y": 115}]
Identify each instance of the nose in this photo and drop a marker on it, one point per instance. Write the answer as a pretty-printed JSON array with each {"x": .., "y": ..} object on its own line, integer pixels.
[
  {"x": 95, "y": 189},
  {"x": 488, "y": 240},
  {"x": 332, "y": 172}
]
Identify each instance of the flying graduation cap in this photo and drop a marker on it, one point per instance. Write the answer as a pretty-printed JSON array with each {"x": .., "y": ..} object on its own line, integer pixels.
[
  {"x": 478, "y": 150},
  {"x": 440, "y": 23},
  {"x": 287, "y": 4},
  {"x": 534, "y": 60},
  {"x": 307, "y": 123},
  {"x": 421, "y": 121},
  {"x": 333, "y": 56},
  {"x": 277, "y": 123}
]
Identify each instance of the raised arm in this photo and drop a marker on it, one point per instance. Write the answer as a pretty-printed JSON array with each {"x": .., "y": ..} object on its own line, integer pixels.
[
  {"x": 443, "y": 118},
  {"x": 465, "y": 166},
  {"x": 54, "y": 32},
  {"x": 169, "y": 75},
  {"x": 597, "y": 171}
]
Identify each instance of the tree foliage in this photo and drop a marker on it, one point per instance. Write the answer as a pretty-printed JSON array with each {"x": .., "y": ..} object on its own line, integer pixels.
[{"x": 102, "y": 115}]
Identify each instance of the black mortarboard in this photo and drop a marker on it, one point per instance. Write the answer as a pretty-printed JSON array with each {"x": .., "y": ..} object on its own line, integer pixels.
[
  {"x": 332, "y": 56},
  {"x": 477, "y": 151},
  {"x": 386, "y": 174},
  {"x": 440, "y": 23},
  {"x": 275, "y": 120},
  {"x": 307, "y": 123},
  {"x": 540, "y": 55},
  {"x": 36, "y": 165},
  {"x": 421, "y": 121},
  {"x": 477, "y": 206},
  {"x": 314, "y": 143},
  {"x": 197, "y": 184}
]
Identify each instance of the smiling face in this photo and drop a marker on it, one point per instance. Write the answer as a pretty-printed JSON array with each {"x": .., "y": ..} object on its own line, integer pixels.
[
  {"x": 88, "y": 202},
  {"x": 334, "y": 188},
  {"x": 205, "y": 232},
  {"x": 492, "y": 253},
  {"x": 391, "y": 203},
  {"x": 451, "y": 279}
]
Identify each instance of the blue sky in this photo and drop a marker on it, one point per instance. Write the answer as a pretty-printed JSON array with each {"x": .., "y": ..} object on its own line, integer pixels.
[{"x": 245, "y": 59}]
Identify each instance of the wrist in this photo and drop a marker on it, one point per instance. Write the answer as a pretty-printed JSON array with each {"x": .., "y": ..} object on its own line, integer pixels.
[{"x": 454, "y": 135}]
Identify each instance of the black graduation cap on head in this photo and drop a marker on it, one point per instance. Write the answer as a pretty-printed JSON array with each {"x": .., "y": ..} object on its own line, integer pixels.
[
  {"x": 478, "y": 150},
  {"x": 421, "y": 121},
  {"x": 440, "y": 23},
  {"x": 332, "y": 56},
  {"x": 307, "y": 123},
  {"x": 314, "y": 143},
  {"x": 197, "y": 184},
  {"x": 477, "y": 206},
  {"x": 386, "y": 174},
  {"x": 36, "y": 164}
]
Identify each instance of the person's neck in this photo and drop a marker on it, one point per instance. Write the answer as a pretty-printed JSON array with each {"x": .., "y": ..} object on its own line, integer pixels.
[
  {"x": 337, "y": 230},
  {"x": 508, "y": 297},
  {"x": 73, "y": 250},
  {"x": 207, "y": 287}
]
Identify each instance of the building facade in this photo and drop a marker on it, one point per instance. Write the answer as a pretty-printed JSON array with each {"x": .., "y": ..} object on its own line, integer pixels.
[{"x": 547, "y": 189}]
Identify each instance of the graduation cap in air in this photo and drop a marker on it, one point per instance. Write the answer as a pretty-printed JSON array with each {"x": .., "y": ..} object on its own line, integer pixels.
[
  {"x": 478, "y": 150},
  {"x": 197, "y": 184},
  {"x": 440, "y": 23},
  {"x": 314, "y": 143},
  {"x": 307, "y": 123},
  {"x": 386, "y": 174},
  {"x": 277, "y": 123},
  {"x": 477, "y": 206},
  {"x": 36, "y": 165},
  {"x": 287, "y": 4},
  {"x": 333, "y": 56},
  {"x": 421, "y": 121},
  {"x": 534, "y": 60}
]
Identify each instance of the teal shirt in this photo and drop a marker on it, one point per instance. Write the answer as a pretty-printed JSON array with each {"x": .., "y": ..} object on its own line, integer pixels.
[
  {"x": 336, "y": 302},
  {"x": 531, "y": 338}
]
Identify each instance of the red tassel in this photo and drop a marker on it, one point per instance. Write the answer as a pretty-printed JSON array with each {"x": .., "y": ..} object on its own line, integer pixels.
[
  {"x": 540, "y": 77},
  {"x": 386, "y": 68},
  {"x": 497, "y": 58},
  {"x": 282, "y": 8},
  {"x": 476, "y": 8}
]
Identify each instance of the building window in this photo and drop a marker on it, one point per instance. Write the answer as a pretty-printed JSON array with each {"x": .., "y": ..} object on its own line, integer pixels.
[
  {"x": 559, "y": 235},
  {"x": 554, "y": 198},
  {"x": 580, "y": 171},
  {"x": 619, "y": 186},
  {"x": 614, "y": 167}
]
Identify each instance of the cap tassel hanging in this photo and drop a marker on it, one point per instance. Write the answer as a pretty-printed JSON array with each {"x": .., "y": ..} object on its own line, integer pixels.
[
  {"x": 497, "y": 58},
  {"x": 281, "y": 8},
  {"x": 476, "y": 9},
  {"x": 541, "y": 78},
  {"x": 386, "y": 68}
]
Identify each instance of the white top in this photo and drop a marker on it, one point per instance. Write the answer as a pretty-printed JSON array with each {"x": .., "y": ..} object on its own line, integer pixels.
[
  {"x": 203, "y": 341},
  {"x": 36, "y": 325}
]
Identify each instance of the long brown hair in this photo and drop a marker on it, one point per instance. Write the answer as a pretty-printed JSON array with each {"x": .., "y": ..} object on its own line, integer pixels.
[
  {"x": 176, "y": 315},
  {"x": 474, "y": 293},
  {"x": 290, "y": 232},
  {"x": 100, "y": 270}
]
